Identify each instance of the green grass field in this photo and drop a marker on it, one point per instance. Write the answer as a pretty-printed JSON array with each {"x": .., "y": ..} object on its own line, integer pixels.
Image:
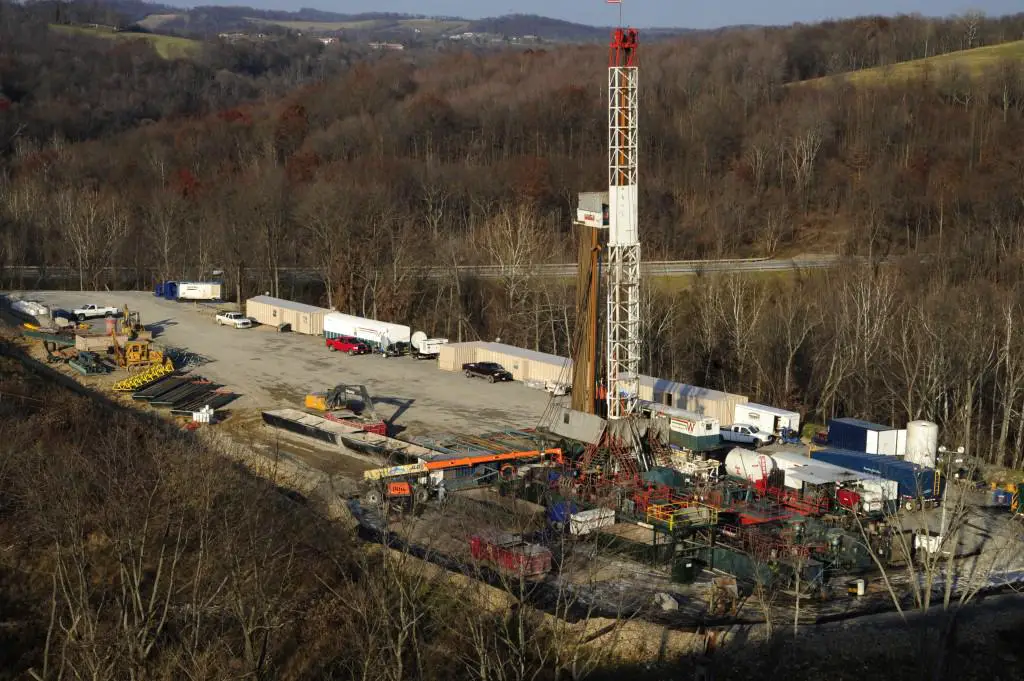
[
  {"x": 432, "y": 26},
  {"x": 155, "y": 21},
  {"x": 167, "y": 46},
  {"x": 313, "y": 26},
  {"x": 974, "y": 62},
  {"x": 424, "y": 25}
]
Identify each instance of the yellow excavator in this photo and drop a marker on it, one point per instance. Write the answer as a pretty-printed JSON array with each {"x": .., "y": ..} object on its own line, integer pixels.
[{"x": 129, "y": 324}]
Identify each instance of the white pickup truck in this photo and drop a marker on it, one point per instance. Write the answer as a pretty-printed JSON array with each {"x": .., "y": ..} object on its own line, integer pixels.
[
  {"x": 235, "y": 319},
  {"x": 89, "y": 311},
  {"x": 744, "y": 434}
]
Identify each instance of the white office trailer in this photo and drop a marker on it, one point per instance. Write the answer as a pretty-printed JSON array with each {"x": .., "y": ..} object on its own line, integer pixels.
[
  {"x": 199, "y": 290},
  {"x": 768, "y": 419}
]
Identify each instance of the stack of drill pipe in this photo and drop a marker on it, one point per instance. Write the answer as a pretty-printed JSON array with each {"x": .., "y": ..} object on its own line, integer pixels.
[
  {"x": 198, "y": 397},
  {"x": 189, "y": 388},
  {"x": 198, "y": 394},
  {"x": 161, "y": 387},
  {"x": 214, "y": 399}
]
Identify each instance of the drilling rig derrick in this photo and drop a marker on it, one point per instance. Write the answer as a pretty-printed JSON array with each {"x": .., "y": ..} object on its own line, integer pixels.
[{"x": 622, "y": 362}]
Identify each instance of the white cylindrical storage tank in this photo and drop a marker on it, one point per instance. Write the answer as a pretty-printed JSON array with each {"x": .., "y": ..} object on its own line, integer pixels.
[
  {"x": 749, "y": 465},
  {"x": 922, "y": 443}
]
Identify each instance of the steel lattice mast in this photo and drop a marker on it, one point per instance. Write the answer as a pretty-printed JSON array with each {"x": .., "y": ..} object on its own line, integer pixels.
[{"x": 623, "y": 259}]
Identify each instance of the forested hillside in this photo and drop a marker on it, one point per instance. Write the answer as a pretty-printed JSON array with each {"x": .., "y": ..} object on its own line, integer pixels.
[
  {"x": 71, "y": 87},
  {"x": 369, "y": 175}
]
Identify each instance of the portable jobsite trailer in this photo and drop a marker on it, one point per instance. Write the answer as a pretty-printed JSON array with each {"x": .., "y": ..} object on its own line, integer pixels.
[
  {"x": 686, "y": 429},
  {"x": 195, "y": 290},
  {"x": 274, "y": 312},
  {"x": 864, "y": 436},
  {"x": 380, "y": 334},
  {"x": 768, "y": 419},
  {"x": 454, "y": 355},
  {"x": 715, "y": 404},
  {"x": 527, "y": 365}
]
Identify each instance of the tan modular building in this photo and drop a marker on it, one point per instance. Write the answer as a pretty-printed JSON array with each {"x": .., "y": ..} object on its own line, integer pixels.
[
  {"x": 703, "y": 401},
  {"x": 524, "y": 364},
  {"x": 276, "y": 311},
  {"x": 527, "y": 365},
  {"x": 454, "y": 355}
]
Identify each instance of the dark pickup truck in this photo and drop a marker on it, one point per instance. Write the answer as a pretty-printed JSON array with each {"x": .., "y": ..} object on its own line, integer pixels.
[{"x": 492, "y": 371}]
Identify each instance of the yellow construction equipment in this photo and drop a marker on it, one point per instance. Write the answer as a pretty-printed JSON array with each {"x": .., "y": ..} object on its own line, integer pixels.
[
  {"x": 129, "y": 324},
  {"x": 341, "y": 397},
  {"x": 316, "y": 401},
  {"x": 138, "y": 354}
]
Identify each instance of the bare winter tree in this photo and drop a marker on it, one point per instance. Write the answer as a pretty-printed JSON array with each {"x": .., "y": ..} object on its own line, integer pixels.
[
  {"x": 322, "y": 216},
  {"x": 743, "y": 308},
  {"x": 516, "y": 244},
  {"x": 802, "y": 151}
]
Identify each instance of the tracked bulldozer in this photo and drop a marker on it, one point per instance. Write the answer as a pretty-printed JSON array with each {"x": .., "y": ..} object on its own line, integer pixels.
[{"x": 139, "y": 354}]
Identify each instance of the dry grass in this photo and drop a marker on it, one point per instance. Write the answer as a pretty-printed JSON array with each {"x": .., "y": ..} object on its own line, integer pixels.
[
  {"x": 167, "y": 46},
  {"x": 973, "y": 62}
]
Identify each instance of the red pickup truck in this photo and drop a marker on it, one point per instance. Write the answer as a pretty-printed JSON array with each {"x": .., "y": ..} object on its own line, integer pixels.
[{"x": 352, "y": 346}]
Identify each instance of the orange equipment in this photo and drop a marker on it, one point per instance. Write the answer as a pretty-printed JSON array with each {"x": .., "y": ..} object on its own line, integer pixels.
[{"x": 447, "y": 464}]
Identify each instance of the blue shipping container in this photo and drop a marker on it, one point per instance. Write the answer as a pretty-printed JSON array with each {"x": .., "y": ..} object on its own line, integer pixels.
[
  {"x": 912, "y": 480},
  {"x": 158, "y": 290},
  {"x": 1001, "y": 497},
  {"x": 171, "y": 290},
  {"x": 852, "y": 434},
  {"x": 559, "y": 513}
]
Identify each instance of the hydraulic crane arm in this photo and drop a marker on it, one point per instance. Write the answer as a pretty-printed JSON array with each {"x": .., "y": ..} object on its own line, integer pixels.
[{"x": 447, "y": 464}]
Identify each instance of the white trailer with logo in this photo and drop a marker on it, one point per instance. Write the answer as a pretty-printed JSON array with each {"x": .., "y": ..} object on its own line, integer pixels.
[
  {"x": 199, "y": 290},
  {"x": 380, "y": 334}
]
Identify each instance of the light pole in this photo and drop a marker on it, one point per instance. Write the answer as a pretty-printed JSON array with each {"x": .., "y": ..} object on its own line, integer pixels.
[{"x": 945, "y": 490}]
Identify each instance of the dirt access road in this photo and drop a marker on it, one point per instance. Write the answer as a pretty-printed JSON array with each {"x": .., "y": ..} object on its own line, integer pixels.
[{"x": 272, "y": 370}]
